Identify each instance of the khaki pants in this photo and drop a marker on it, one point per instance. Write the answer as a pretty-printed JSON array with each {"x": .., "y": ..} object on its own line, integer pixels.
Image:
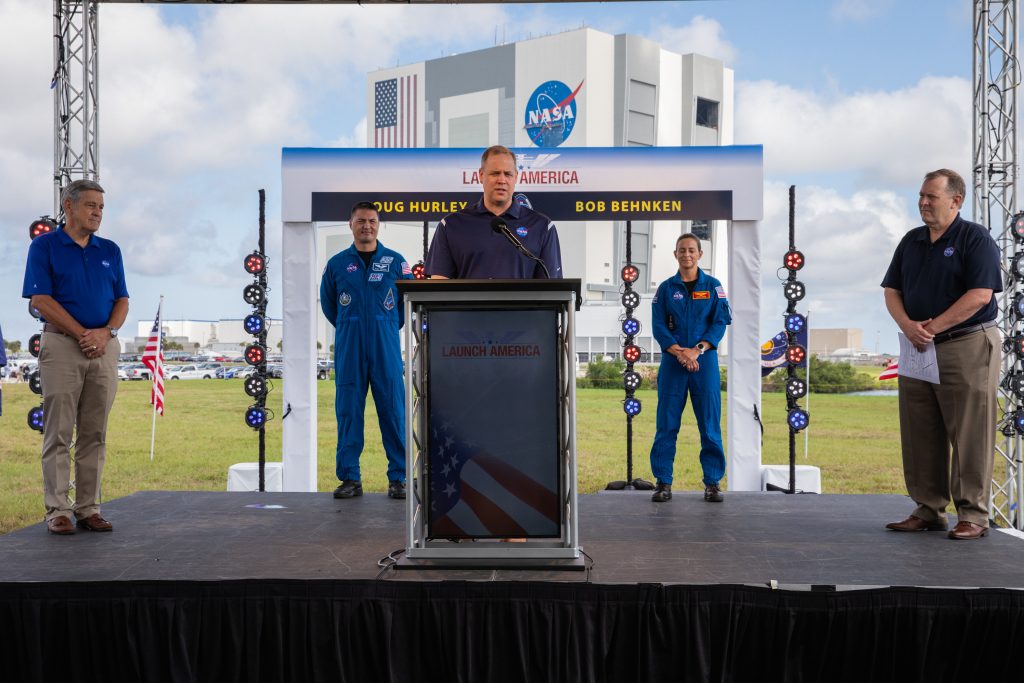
[
  {"x": 948, "y": 429},
  {"x": 78, "y": 392}
]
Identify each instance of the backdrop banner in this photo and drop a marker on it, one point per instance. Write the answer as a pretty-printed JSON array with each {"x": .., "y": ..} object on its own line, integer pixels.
[{"x": 584, "y": 183}]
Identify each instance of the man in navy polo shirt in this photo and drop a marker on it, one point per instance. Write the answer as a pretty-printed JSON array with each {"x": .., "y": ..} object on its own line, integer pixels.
[
  {"x": 75, "y": 279},
  {"x": 466, "y": 246},
  {"x": 359, "y": 298},
  {"x": 940, "y": 289}
]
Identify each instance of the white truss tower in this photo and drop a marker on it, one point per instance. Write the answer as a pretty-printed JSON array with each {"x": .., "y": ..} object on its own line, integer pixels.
[
  {"x": 996, "y": 81},
  {"x": 75, "y": 94}
]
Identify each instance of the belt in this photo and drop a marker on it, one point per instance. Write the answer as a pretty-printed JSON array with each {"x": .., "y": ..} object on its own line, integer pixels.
[
  {"x": 962, "y": 332},
  {"x": 47, "y": 327}
]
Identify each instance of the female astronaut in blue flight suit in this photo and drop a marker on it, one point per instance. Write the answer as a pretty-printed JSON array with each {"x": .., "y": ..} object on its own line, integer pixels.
[{"x": 689, "y": 314}]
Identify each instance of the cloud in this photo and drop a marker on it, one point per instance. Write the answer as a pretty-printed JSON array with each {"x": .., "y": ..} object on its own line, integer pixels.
[
  {"x": 848, "y": 240},
  {"x": 702, "y": 35},
  {"x": 357, "y": 138},
  {"x": 859, "y": 10},
  {"x": 886, "y": 137}
]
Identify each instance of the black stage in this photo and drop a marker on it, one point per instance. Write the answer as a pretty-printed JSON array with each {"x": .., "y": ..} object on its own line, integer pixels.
[{"x": 765, "y": 586}]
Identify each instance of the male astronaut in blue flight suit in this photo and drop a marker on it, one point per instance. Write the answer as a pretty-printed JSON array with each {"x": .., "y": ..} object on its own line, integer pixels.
[
  {"x": 359, "y": 297},
  {"x": 689, "y": 314}
]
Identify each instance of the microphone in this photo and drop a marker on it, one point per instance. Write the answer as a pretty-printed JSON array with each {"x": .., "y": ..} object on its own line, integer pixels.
[{"x": 501, "y": 227}]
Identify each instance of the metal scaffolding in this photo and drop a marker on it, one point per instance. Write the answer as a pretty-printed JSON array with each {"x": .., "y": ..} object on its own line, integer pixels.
[
  {"x": 996, "y": 76},
  {"x": 75, "y": 94}
]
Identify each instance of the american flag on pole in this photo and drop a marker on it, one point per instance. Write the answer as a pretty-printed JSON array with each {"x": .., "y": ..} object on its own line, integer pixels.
[
  {"x": 395, "y": 112},
  {"x": 892, "y": 371},
  {"x": 153, "y": 358}
]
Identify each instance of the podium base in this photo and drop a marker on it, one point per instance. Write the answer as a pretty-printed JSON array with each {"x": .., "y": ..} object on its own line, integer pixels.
[{"x": 576, "y": 564}]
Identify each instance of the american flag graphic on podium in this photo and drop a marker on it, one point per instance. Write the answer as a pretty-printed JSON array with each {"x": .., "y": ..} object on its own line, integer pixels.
[
  {"x": 474, "y": 493},
  {"x": 153, "y": 358},
  {"x": 395, "y": 112}
]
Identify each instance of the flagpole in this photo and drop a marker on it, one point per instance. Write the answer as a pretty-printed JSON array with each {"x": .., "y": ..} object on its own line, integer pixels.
[{"x": 152, "y": 378}]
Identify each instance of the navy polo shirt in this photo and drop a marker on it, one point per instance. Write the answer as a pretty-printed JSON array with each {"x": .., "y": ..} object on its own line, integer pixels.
[
  {"x": 932, "y": 275},
  {"x": 85, "y": 281},
  {"x": 465, "y": 245}
]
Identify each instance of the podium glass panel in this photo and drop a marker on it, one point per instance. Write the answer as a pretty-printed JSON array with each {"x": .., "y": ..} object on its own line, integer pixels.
[{"x": 492, "y": 428}]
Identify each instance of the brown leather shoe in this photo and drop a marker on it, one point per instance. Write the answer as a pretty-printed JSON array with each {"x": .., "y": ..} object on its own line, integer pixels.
[
  {"x": 913, "y": 523},
  {"x": 968, "y": 531},
  {"x": 95, "y": 523},
  {"x": 60, "y": 525}
]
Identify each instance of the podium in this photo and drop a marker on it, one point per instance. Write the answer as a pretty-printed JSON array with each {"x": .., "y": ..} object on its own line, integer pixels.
[{"x": 491, "y": 423}]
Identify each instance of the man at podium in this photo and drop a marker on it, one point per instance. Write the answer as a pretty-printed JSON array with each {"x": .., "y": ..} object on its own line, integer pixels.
[{"x": 496, "y": 237}]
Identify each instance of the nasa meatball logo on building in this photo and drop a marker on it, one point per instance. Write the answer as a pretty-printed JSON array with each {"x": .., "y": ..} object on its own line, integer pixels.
[{"x": 551, "y": 113}]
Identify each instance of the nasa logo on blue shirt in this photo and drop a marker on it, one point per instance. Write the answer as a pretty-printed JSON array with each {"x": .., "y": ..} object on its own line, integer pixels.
[
  {"x": 106, "y": 263},
  {"x": 551, "y": 113},
  {"x": 678, "y": 296},
  {"x": 949, "y": 251},
  {"x": 521, "y": 231},
  {"x": 375, "y": 277},
  {"x": 345, "y": 299},
  {"x": 352, "y": 268}
]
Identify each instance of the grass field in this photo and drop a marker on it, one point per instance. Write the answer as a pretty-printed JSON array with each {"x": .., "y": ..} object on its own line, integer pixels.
[{"x": 853, "y": 439}]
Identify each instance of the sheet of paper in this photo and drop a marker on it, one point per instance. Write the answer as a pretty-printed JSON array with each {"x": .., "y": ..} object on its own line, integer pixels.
[{"x": 921, "y": 365}]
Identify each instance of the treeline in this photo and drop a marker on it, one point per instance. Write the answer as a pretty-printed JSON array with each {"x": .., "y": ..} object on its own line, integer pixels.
[{"x": 826, "y": 378}]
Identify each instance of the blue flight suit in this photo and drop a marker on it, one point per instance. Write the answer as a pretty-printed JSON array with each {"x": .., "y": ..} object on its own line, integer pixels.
[
  {"x": 700, "y": 316},
  {"x": 363, "y": 305}
]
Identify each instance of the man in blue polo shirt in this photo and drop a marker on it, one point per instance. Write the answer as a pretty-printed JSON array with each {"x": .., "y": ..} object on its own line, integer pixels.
[
  {"x": 359, "y": 298},
  {"x": 75, "y": 279},
  {"x": 465, "y": 244},
  {"x": 940, "y": 289}
]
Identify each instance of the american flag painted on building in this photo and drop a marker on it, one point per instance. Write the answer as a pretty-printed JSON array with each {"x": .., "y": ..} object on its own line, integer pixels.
[
  {"x": 475, "y": 493},
  {"x": 396, "y": 112},
  {"x": 153, "y": 358}
]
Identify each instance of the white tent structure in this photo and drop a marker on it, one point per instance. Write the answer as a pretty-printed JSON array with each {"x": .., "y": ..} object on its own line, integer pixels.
[{"x": 640, "y": 183}]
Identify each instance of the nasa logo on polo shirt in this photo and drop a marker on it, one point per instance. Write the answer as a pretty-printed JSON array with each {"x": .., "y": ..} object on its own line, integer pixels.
[
  {"x": 345, "y": 299},
  {"x": 522, "y": 231},
  {"x": 949, "y": 251},
  {"x": 678, "y": 296},
  {"x": 352, "y": 267},
  {"x": 106, "y": 263}
]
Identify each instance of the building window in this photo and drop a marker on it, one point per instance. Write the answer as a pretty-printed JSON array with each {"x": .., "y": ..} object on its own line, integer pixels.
[
  {"x": 701, "y": 229},
  {"x": 707, "y": 113}
]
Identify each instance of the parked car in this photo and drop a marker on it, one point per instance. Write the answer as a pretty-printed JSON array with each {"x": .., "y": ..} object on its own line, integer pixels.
[
  {"x": 189, "y": 372},
  {"x": 136, "y": 371},
  {"x": 275, "y": 371},
  {"x": 323, "y": 369}
]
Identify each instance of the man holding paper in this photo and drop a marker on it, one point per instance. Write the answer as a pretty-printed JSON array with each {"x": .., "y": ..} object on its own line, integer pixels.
[{"x": 940, "y": 289}]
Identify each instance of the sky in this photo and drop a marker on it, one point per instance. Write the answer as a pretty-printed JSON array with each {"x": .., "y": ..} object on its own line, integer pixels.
[{"x": 853, "y": 101}]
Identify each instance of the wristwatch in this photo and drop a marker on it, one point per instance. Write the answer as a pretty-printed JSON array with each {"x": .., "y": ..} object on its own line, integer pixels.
[
  {"x": 701, "y": 348},
  {"x": 113, "y": 331}
]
